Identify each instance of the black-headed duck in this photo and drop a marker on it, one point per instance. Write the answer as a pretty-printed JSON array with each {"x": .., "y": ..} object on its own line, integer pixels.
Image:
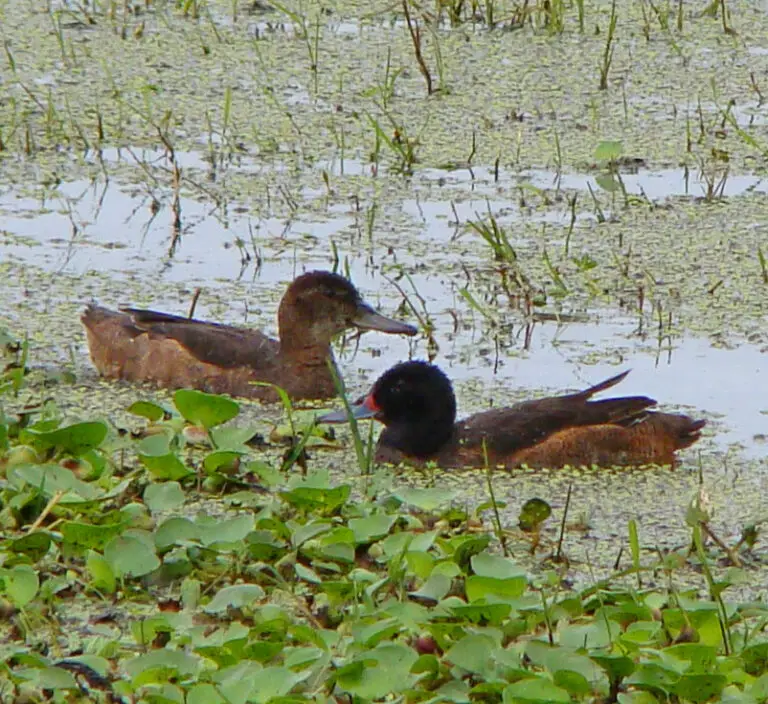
[
  {"x": 177, "y": 352},
  {"x": 415, "y": 402}
]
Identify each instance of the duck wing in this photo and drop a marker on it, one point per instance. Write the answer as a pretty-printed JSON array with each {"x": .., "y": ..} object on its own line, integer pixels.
[
  {"x": 224, "y": 346},
  {"x": 508, "y": 430}
]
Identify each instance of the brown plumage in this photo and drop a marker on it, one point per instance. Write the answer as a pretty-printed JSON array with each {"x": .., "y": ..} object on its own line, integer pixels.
[
  {"x": 415, "y": 402},
  {"x": 177, "y": 352}
]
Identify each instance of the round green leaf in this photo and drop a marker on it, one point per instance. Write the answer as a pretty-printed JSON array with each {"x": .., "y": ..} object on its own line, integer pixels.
[
  {"x": 21, "y": 584},
  {"x": 474, "y": 652},
  {"x": 163, "y": 497},
  {"x": 533, "y": 514},
  {"x": 208, "y": 410},
  {"x": 131, "y": 556},
  {"x": 535, "y": 690},
  {"x": 75, "y": 439},
  {"x": 147, "y": 409},
  {"x": 236, "y": 597}
]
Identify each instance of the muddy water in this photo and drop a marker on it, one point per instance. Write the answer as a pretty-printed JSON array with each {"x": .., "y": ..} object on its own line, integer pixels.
[{"x": 663, "y": 276}]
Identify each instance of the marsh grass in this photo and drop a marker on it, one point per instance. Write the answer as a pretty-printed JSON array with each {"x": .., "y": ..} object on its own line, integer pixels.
[
  {"x": 414, "y": 31},
  {"x": 761, "y": 258},
  {"x": 400, "y": 145},
  {"x": 607, "y": 58},
  {"x": 364, "y": 448}
]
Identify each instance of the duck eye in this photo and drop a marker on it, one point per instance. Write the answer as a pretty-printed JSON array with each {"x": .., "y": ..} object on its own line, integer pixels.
[{"x": 334, "y": 293}]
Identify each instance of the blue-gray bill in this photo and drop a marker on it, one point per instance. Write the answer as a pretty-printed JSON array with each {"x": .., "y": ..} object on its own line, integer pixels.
[
  {"x": 361, "y": 410},
  {"x": 367, "y": 318}
]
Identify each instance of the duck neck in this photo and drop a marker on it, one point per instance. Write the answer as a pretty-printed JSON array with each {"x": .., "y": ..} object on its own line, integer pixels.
[
  {"x": 423, "y": 440},
  {"x": 302, "y": 340}
]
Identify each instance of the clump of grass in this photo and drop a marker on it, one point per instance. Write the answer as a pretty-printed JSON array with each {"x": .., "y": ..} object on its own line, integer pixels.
[{"x": 402, "y": 147}]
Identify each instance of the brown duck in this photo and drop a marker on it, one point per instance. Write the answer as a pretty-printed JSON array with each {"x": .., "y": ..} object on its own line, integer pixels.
[
  {"x": 178, "y": 352},
  {"x": 416, "y": 404}
]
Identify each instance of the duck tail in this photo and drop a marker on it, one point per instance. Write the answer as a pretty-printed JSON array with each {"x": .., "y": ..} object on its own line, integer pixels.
[
  {"x": 683, "y": 429},
  {"x": 602, "y": 386}
]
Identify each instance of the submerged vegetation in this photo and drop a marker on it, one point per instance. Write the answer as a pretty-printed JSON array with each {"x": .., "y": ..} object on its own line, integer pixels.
[
  {"x": 506, "y": 165},
  {"x": 169, "y": 564}
]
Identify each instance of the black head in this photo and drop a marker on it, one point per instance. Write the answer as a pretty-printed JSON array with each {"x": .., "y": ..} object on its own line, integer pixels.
[
  {"x": 415, "y": 401},
  {"x": 411, "y": 392}
]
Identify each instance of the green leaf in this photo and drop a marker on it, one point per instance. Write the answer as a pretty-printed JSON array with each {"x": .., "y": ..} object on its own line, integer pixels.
[
  {"x": 653, "y": 677},
  {"x": 487, "y": 565},
  {"x": 482, "y": 613},
  {"x": 147, "y": 409},
  {"x": 371, "y": 528},
  {"x": 310, "y": 530},
  {"x": 20, "y": 584},
  {"x": 533, "y": 513},
  {"x": 455, "y": 691},
  {"x": 86, "y": 535},
  {"x": 231, "y": 530},
  {"x": 221, "y": 461},
  {"x": 303, "y": 656},
  {"x": 434, "y": 589},
  {"x": 609, "y": 150},
  {"x": 371, "y": 634},
  {"x": 205, "y": 694},
  {"x": 168, "y": 466},
  {"x": 53, "y": 678},
  {"x": 755, "y": 658},
  {"x": 307, "y": 574},
  {"x": 102, "y": 576},
  {"x": 700, "y": 687},
  {"x": 637, "y": 698},
  {"x": 379, "y": 672},
  {"x": 420, "y": 564},
  {"x": 473, "y": 652},
  {"x": 697, "y": 657},
  {"x": 573, "y": 682},
  {"x": 208, "y": 410},
  {"x": 310, "y": 498},
  {"x": 468, "y": 545},
  {"x": 145, "y": 630},
  {"x": 617, "y": 667},
  {"x": 51, "y": 479},
  {"x": 534, "y": 690},
  {"x": 33, "y": 545},
  {"x": 232, "y": 437},
  {"x": 75, "y": 439},
  {"x": 608, "y": 182},
  {"x": 425, "y": 499},
  {"x": 163, "y": 497},
  {"x": 274, "y": 682},
  {"x": 236, "y": 597},
  {"x": 173, "y": 662},
  {"x": 504, "y": 589},
  {"x": 176, "y": 531},
  {"x": 131, "y": 556}
]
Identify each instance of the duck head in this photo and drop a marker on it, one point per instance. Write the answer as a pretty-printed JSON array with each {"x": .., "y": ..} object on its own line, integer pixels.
[
  {"x": 416, "y": 403},
  {"x": 320, "y": 305}
]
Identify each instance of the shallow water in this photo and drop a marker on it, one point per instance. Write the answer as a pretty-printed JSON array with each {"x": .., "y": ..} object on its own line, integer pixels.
[{"x": 118, "y": 234}]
